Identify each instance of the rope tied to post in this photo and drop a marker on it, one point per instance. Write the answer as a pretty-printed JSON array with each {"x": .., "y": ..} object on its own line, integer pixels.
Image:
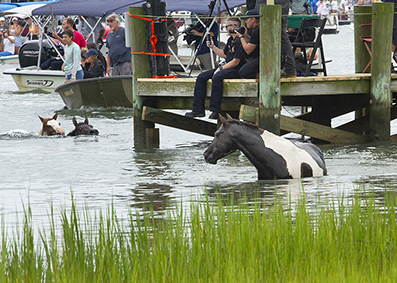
[{"x": 153, "y": 38}]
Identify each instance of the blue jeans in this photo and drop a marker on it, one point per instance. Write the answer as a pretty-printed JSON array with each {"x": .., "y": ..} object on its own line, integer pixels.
[
  {"x": 79, "y": 76},
  {"x": 200, "y": 88}
]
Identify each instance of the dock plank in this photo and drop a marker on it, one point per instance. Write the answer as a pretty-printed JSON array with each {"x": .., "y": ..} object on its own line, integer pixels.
[{"x": 299, "y": 86}]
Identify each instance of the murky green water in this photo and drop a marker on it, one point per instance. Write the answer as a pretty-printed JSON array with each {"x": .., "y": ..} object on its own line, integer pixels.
[{"x": 106, "y": 168}]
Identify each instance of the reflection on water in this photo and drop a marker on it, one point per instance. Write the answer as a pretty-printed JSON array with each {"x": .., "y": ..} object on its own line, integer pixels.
[{"x": 107, "y": 168}]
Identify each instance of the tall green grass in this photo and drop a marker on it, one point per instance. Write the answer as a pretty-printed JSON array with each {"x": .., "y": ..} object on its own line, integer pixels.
[{"x": 339, "y": 240}]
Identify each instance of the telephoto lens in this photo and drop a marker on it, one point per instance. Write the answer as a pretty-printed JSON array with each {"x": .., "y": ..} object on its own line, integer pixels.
[{"x": 240, "y": 30}]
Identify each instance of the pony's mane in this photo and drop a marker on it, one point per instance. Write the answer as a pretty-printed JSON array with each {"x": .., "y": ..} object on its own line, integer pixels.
[{"x": 243, "y": 123}]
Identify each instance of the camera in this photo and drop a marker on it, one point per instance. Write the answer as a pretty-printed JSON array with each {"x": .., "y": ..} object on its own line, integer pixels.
[{"x": 240, "y": 30}]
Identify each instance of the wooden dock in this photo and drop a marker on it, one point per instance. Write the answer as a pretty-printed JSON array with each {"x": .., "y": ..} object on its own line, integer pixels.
[{"x": 259, "y": 101}]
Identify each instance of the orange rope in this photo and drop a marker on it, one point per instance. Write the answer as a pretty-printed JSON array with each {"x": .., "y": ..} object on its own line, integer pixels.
[
  {"x": 164, "y": 77},
  {"x": 153, "y": 38},
  {"x": 151, "y": 53}
]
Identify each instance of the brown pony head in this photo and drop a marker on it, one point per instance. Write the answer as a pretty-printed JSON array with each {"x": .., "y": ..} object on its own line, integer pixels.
[{"x": 51, "y": 126}]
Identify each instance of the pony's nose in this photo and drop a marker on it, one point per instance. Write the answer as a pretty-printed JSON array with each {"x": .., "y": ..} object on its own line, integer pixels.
[
  {"x": 60, "y": 131},
  {"x": 94, "y": 132}
]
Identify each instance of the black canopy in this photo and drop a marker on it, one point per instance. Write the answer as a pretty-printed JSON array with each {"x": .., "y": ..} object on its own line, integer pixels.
[{"x": 101, "y": 8}]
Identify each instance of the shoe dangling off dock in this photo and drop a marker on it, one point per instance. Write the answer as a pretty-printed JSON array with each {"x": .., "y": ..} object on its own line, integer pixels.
[{"x": 259, "y": 101}]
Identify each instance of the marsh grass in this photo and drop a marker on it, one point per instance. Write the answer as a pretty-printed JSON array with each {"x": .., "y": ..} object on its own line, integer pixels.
[{"x": 341, "y": 240}]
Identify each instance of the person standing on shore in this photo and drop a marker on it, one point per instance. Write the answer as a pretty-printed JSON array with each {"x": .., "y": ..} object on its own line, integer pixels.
[{"x": 119, "y": 56}]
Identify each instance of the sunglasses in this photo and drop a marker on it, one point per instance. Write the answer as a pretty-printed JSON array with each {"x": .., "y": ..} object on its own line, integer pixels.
[{"x": 110, "y": 21}]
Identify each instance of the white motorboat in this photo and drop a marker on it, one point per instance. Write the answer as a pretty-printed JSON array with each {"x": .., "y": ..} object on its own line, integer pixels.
[
  {"x": 12, "y": 59},
  {"x": 30, "y": 79}
]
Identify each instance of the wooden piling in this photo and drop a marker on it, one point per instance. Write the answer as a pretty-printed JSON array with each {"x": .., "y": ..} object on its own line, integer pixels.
[
  {"x": 269, "y": 68},
  {"x": 380, "y": 95},
  {"x": 140, "y": 69},
  {"x": 363, "y": 15}
]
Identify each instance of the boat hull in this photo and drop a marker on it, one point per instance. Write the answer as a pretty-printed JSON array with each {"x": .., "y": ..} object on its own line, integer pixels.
[
  {"x": 98, "y": 92},
  {"x": 33, "y": 79},
  {"x": 13, "y": 59}
]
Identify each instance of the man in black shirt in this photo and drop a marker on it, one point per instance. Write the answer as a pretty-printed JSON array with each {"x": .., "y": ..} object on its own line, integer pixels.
[
  {"x": 230, "y": 70},
  {"x": 251, "y": 48}
]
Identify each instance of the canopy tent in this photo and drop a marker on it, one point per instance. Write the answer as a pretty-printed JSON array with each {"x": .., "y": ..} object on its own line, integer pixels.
[
  {"x": 93, "y": 8},
  {"x": 101, "y": 8},
  {"x": 7, "y": 6},
  {"x": 21, "y": 12},
  {"x": 201, "y": 7}
]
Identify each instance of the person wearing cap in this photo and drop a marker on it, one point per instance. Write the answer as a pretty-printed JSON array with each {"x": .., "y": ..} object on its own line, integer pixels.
[
  {"x": 251, "y": 48},
  {"x": 288, "y": 68},
  {"x": 233, "y": 55},
  {"x": 71, "y": 66},
  {"x": 93, "y": 68},
  {"x": 119, "y": 56},
  {"x": 15, "y": 30}
]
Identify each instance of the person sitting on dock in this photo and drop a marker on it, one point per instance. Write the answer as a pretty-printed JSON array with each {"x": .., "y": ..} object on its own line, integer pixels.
[
  {"x": 119, "y": 57},
  {"x": 233, "y": 53},
  {"x": 251, "y": 48},
  {"x": 93, "y": 68}
]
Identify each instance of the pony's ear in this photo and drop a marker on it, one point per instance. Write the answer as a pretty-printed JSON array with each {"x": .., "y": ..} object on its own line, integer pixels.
[
  {"x": 86, "y": 120},
  {"x": 223, "y": 120},
  {"x": 74, "y": 121},
  {"x": 55, "y": 116},
  {"x": 229, "y": 117},
  {"x": 41, "y": 119}
]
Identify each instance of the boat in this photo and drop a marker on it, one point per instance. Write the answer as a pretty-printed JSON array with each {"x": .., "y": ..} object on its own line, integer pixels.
[
  {"x": 30, "y": 79},
  {"x": 12, "y": 59},
  {"x": 98, "y": 92}
]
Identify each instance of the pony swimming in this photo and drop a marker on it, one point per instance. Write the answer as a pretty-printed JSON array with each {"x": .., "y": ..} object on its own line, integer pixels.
[
  {"x": 273, "y": 156},
  {"x": 51, "y": 126},
  {"x": 83, "y": 128}
]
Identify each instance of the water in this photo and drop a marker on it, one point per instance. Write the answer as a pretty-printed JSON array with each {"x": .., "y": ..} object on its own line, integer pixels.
[{"x": 107, "y": 169}]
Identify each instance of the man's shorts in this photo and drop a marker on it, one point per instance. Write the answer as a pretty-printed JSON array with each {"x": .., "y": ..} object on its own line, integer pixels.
[{"x": 122, "y": 69}]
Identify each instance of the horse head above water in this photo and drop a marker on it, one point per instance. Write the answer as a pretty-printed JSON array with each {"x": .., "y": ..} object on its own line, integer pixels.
[
  {"x": 51, "y": 126},
  {"x": 273, "y": 156},
  {"x": 83, "y": 128}
]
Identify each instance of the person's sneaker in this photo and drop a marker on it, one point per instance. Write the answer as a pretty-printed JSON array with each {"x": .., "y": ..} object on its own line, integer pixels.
[
  {"x": 193, "y": 114},
  {"x": 214, "y": 115},
  {"x": 288, "y": 75}
]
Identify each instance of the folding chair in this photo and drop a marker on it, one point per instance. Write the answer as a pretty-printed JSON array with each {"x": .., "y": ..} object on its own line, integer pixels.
[
  {"x": 304, "y": 41},
  {"x": 367, "y": 39}
]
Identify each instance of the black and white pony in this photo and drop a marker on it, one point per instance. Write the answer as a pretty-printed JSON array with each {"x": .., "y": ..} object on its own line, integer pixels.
[{"x": 273, "y": 156}]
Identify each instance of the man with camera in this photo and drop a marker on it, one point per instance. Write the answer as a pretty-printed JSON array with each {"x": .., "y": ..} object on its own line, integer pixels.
[
  {"x": 251, "y": 48},
  {"x": 230, "y": 70}
]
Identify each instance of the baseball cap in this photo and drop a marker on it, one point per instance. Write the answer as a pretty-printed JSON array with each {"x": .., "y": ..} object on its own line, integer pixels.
[
  {"x": 91, "y": 52},
  {"x": 2, "y": 19},
  {"x": 15, "y": 19},
  {"x": 251, "y": 14}
]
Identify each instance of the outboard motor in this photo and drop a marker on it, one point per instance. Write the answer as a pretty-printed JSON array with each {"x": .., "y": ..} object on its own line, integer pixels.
[{"x": 29, "y": 53}]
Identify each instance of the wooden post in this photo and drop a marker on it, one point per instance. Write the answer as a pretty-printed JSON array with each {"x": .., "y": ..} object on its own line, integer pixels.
[
  {"x": 269, "y": 68},
  {"x": 363, "y": 15},
  {"x": 380, "y": 96},
  {"x": 140, "y": 69}
]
